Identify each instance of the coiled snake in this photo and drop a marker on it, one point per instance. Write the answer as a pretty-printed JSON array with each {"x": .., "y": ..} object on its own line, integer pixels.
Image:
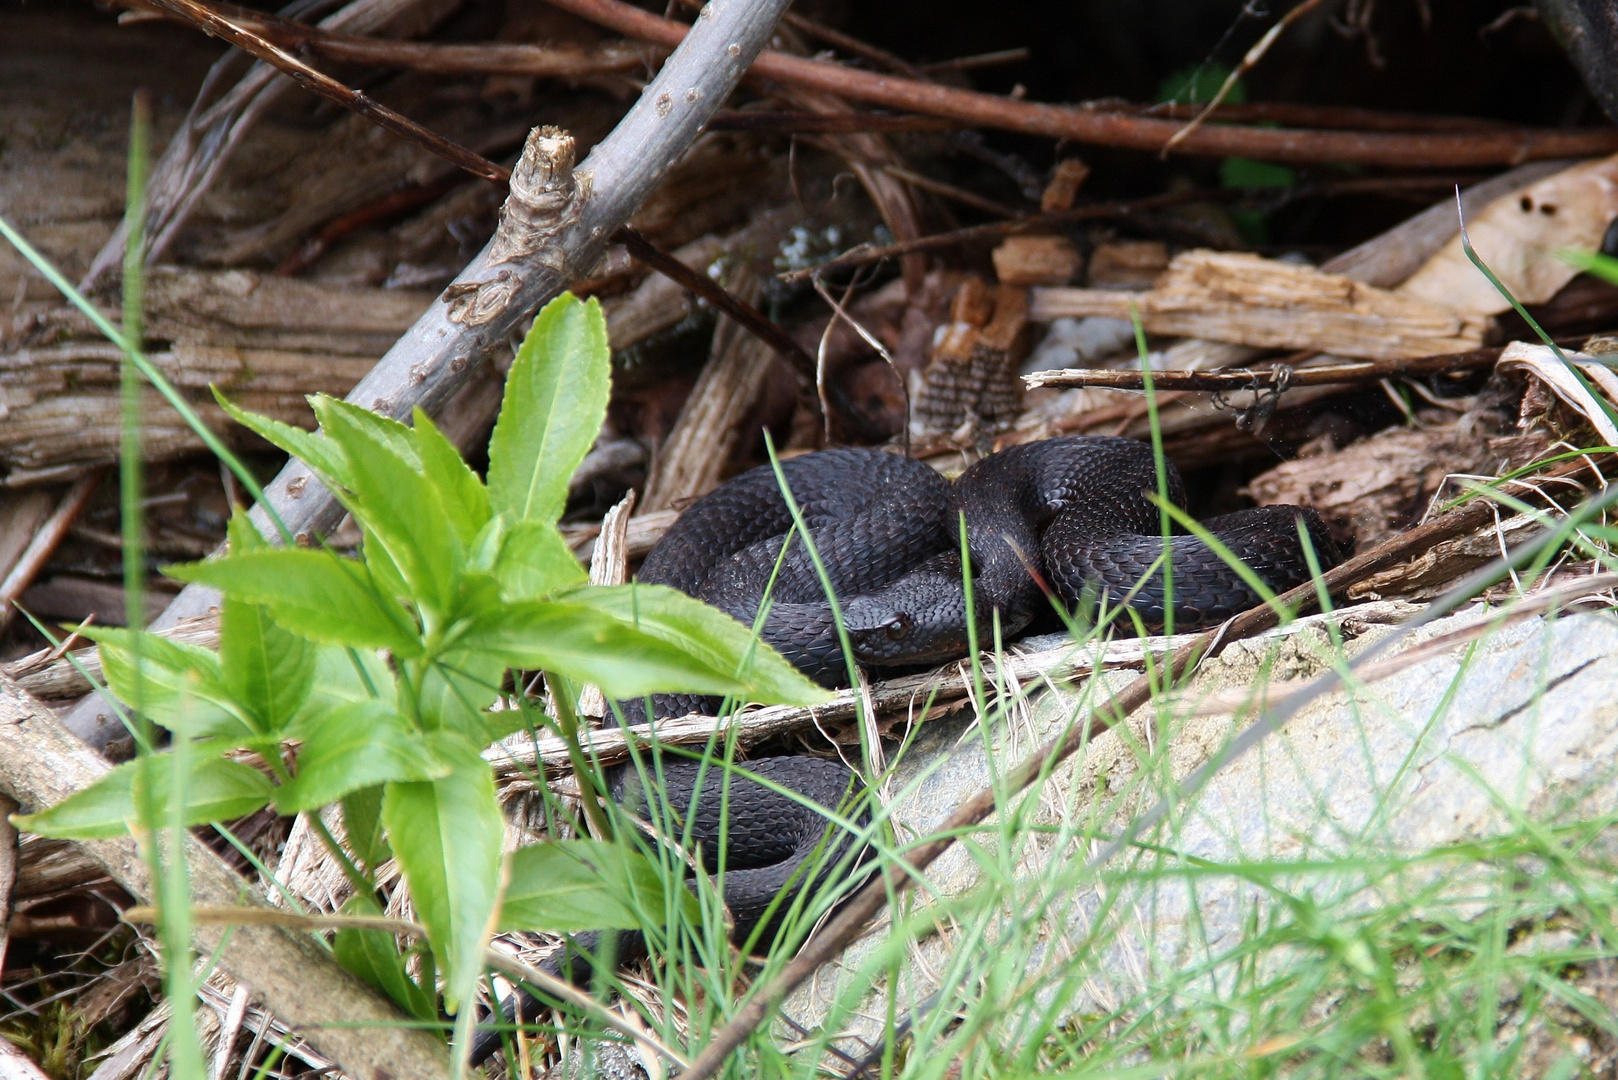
[{"x": 1071, "y": 513}]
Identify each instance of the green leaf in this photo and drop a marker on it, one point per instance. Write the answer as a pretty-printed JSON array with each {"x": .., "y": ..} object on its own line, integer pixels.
[
  {"x": 313, "y": 593},
  {"x": 102, "y": 810},
  {"x": 381, "y": 429},
  {"x": 398, "y": 507},
  {"x": 353, "y": 747},
  {"x": 535, "y": 562},
  {"x": 384, "y": 571},
  {"x": 567, "y": 886},
  {"x": 314, "y": 450},
  {"x": 374, "y": 956},
  {"x": 455, "y": 689},
  {"x": 462, "y": 493},
  {"x": 180, "y": 686},
  {"x": 555, "y": 400},
  {"x": 216, "y": 790},
  {"x": 447, "y": 835},
  {"x": 715, "y": 639},
  {"x": 343, "y": 676},
  {"x": 1600, "y": 265},
  {"x": 362, "y": 825},
  {"x": 588, "y": 646},
  {"x": 267, "y": 671}
]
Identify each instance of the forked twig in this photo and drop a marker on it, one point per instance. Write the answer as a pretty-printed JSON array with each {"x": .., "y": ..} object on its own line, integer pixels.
[{"x": 1254, "y": 55}]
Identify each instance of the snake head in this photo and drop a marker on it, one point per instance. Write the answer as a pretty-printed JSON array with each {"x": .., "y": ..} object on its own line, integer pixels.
[{"x": 912, "y": 621}]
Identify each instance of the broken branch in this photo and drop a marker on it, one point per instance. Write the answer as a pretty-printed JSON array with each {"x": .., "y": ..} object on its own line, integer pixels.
[{"x": 1077, "y": 124}]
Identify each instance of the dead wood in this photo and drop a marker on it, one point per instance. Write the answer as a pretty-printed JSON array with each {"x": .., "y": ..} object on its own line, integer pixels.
[
  {"x": 41, "y": 763},
  {"x": 216, "y": 126},
  {"x": 1428, "y": 149},
  {"x": 737, "y": 308},
  {"x": 1230, "y": 296},
  {"x": 1036, "y": 260},
  {"x": 700, "y": 447},
  {"x": 519, "y": 270},
  {"x": 429, "y": 58},
  {"x": 266, "y": 341},
  {"x": 969, "y": 385},
  {"x": 1277, "y": 376},
  {"x": 9, "y": 865},
  {"x": 43, "y": 545},
  {"x": 1374, "y": 487},
  {"x": 14, "y": 1064}
]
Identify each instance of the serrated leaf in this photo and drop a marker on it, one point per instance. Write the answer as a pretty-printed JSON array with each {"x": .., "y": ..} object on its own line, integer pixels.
[
  {"x": 102, "y": 810},
  {"x": 464, "y": 497},
  {"x": 555, "y": 401},
  {"x": 313, "y": 593},
  {"x": 589, "y": 646},
  {"x": 216, "y": 790},
  {"x": 179, "y": 686},
  {"x": 383, "y": 569},
  {"x": 535, "y": 562},
  {"x": 353, "y": 747},
  {"x": 567, "y": 886},
  {"x": 716, "y": 639},
  {"x": 267, "y": 670},
  {"x": 242, "y": 535},
  {"x": 446, "y": 835},
  {"x": 314, "y": 450},
  {"x": 374, "y": 956},
  {"x": 396, "y": 505},
  {"x": 381, "y": 429}
]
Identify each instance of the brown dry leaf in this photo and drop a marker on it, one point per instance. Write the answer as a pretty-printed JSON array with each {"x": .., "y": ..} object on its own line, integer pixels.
[
  {"x": 1517, "y": 236},
  {"x": 1541, "y": 363}
]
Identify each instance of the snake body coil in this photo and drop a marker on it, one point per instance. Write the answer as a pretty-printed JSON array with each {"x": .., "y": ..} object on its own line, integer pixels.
[{"x": 1074, "y": 512}]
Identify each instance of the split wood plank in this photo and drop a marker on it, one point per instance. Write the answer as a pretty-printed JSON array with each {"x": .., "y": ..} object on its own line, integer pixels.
[{"x": 1242, "y": 298}]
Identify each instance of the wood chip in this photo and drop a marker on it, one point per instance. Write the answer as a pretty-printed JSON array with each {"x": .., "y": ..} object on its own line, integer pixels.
[
  {"x": 1036, "y": 260},
  {"x": 1129, "y": 264}
]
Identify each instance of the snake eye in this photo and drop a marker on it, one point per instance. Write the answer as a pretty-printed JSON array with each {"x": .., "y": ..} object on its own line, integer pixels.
[{"x": 897, "y": 627}]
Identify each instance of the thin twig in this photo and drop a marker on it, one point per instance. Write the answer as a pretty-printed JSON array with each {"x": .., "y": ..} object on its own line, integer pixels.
[
  {"x": 866, "y": 254},
  {"x": 44, "y": 544},
  {"x": 720, "y": 297},
  {"x": 1254, "y": 55},
  {"x": 808, "y": 123},
  {"x": 219, "y": 26},
  {"x": 1095, "y": 127},
  {"x": 492, "y": 58},
  {"x": 1242, "y": 378}
]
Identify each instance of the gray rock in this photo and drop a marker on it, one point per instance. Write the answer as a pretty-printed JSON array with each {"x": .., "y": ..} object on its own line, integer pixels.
[{"x": 1471, "y": 724}]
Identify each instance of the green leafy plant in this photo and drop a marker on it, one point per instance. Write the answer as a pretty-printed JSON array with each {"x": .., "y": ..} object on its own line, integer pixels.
[{"x": 376, "y": 682}]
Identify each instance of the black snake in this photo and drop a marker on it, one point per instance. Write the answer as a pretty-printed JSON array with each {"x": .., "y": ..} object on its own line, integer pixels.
[{"x": 1071, "y": 514}]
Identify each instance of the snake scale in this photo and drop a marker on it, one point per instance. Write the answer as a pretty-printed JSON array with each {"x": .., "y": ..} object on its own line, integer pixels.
[{"x": 1072, "y": 514}]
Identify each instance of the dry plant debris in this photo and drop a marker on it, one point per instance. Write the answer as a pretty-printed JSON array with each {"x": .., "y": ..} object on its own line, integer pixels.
[{"x": 903, "y": 276}]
